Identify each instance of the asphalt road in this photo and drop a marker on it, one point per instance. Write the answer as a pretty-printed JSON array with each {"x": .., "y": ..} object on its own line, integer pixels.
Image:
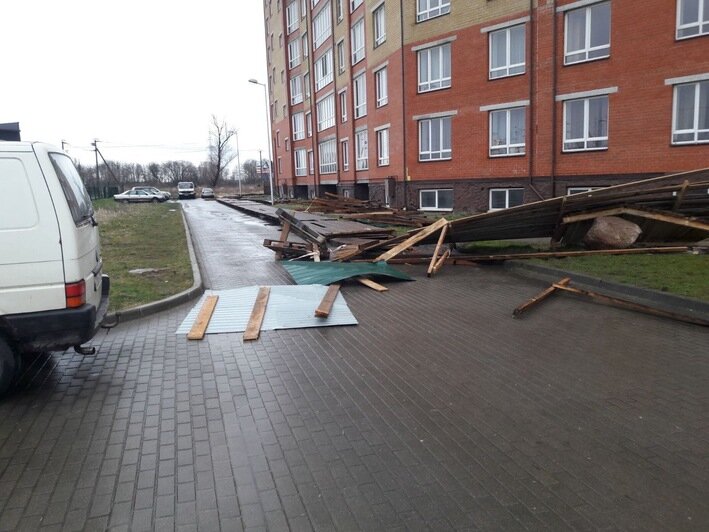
[{"x": 438, "y": 411}]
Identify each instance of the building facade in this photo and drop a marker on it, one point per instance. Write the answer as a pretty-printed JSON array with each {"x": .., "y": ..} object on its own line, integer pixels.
[{"x": 484, "y": 104}]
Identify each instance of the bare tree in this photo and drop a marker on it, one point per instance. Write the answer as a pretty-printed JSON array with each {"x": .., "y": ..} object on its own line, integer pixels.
[
  {"x": 176, "y": 171},
  {"x": 220, "y": 152}
]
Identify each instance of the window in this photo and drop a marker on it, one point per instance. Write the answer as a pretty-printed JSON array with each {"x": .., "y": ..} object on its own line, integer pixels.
[
  {"x": 326, "y": 112},
  {"x": 323, "y": 70},
  {"x": 586, "y": 124},
  {"x": 304, "y": 40},
  {"x": 362, "y": 150},
  {"x": 345, "y": 144},
  {"x": 435, "y": 139},
  {"x": 690, "y": 124},
  {"x": 341, "y": 57},
  {"x": 339, "y": 11},
  {"x": 360, "y": 96},
  {"x": 692, "y": 18},
  {"x": 280, "y": 166},
  {"x": 292, "y": 17},
  {"x": 75, "y": 193},
  {"x": 507, "y": 132},
  {"x": 579, "y": 190},
  {"x": 358, "y": 41},
  {"x": 383, "y": 147},
  {"x": 303, "y": 10},
  {"x": 328, "y": 156},
  {"x": 588, "y": 33},
  {"x": 309, "y": 123},
  {"x": 343, "y": 106},
  {"x": 306, "y": 83},
  {"x": 280, "y": 40},
  {"x": 354, "y": 4},
  {"x": 380, "y": 83},
  {"x": 380, "y": 30},
  {"x": 296, "y": 90},
  {"x": 426, "y": 9},
  {"x": 507, "y": 52},
  {"x": 436, "y": 200},
  {"x": 298, "y": 126},
  {"x": 311, "y": 162},
  {"x": 322, "y": 26},
  {"x": 503, "y": 198},
  {"x": 294, "y": 53},
  {"x": 434, "y": 65},
  {"x": 287, "y": 143}
]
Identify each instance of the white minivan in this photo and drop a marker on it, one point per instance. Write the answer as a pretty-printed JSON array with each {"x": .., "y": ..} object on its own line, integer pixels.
[{"x": 53, "y": 294}]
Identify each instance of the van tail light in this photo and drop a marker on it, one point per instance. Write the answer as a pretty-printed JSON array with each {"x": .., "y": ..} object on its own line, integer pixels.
[{"x": 75, "y": 294}]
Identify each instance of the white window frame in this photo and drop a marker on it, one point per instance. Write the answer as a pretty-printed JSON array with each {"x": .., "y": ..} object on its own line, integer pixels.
[
  {"x": 327, "y": 155},
  {"x": 382, "y": 146},
  {"x": 381, "y": 87},
  {"x": 309, "y": 124},
  {"x": 292, "y": 19},
  {"x": 436, "y": 206},
  {"x": 426, "y": 83},
  {"x": 359, "y": 84},
  {"x": 304, "y": 44},
  {"x": 435, "y": 125},
  {"x": 586, "y": 139},
  {"x": 293, "y": 53},
  {"x": 341, "y": 57},
  {"x": 345, "y": 154},
  {"x": 343, "y": 106},
  {"x": 306, "y": 84},
  {"x": 695, "y": 131},
  {"x": 311, "y": 162},
  {"x": 322, "y": 26},
  {"x": 296, "y": 90},
  {"x": 587, "y": 49},
  {"x": 701, "y": 24},
  {"x": 510, "y": 149},
  {"x": 357, "y": 40},
  {"x": 323, "y": 70},
  {"x": 428, "y": 9},
  {"x": 379, "y": 25},
  {"x": 325, "y": 108},
  {"x": 298, "y": 123},
  {"x": 580, "y": 190},
  {"x": 354, "y": 4},
  {"x": 507, "y": 198},
  {"x": 361, "y": 150},
  {"x": 509, "y": 68}
]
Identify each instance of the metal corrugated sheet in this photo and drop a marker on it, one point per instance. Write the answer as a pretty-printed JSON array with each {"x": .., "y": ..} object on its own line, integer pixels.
[
  {"x": 305, "y": 273},
  {"x": 289, "y": 307}
]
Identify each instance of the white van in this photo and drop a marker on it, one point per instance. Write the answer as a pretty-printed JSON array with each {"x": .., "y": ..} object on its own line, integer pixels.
[{"x": 53, "y": 294}]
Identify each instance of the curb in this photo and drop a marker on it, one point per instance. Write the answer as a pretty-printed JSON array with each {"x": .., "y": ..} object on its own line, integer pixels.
[
  {"x": 169, "y": 302},
  {"x": 663, "y": 300}
]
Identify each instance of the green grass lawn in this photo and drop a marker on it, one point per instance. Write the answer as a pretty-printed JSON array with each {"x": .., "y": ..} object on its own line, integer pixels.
[{"x": 143, "y": 236}]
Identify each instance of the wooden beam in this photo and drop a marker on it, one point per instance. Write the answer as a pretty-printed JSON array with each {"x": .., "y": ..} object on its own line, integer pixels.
[
  {"x": 670, "y": 218},
  {"x": 416, "y": 237},
  {"x": 253, "y": 329},
  {"x": 434, "y": 259},
  {"x": 199, "y": 328},
  {"x": 325, "y": 306},
  {"x": 680, "y": 195},
  {"x": 441, "y": 261},
  {"x": 366, "y": 281},
  {"x": 540, "y": 297},
  {"x": 585, "y": 253}
]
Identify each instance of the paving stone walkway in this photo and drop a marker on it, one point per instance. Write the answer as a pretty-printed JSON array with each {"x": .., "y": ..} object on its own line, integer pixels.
[{"x": 438, "y": 411}]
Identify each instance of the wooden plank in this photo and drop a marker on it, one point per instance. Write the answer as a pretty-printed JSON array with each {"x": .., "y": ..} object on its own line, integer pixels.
[
  {"x": 674, "y": 219},
  {"x": 540, "y": 297},
  {"x": 253, "y": 328},
  {"x": 416, "y": 237},
  {"x": 325, "y": 306},
  {"x": 199, "y": 327},
  {"x": 434, "y": 259},
  {"x": 366, "y": 281},
  {"x": 440, "y": 262},
  {"x": 680, "y": 195},
  {"x": 585, "y": 253}
]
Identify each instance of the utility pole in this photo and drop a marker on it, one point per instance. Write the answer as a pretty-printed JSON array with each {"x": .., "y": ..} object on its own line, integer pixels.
[
  {"x": 95, "y": 145},
  {"x": 64, "y": 142},
  {"x": 260, "y": 168},
  {"x": 238, "y": 163}
]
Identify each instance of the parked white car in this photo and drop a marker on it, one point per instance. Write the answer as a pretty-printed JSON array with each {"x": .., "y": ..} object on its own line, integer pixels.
[
  {"x": 139, "y": 196},
  {"x": 154, "y": 190},
  {"x": 185, "y": 189},
  {"x": 52, "y": 291}
]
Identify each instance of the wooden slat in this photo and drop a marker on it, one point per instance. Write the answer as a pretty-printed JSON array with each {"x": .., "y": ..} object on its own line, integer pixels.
[
  {"x": 640, "y": 213},
  {"x": 253, "y": 329},
  {"x": 441, "y": 261},
  {"x": 680, "y": 195},
  {"x": 416, "y": 237},
  {"x": 325, "y": 306},
  {"x": 199, "y": 328},
  {"x": 586, "y": 253},
  {"x": 371, "y": 284},
  {"x": 540, "y": 297},
  {"x": 434, "y": 259}
]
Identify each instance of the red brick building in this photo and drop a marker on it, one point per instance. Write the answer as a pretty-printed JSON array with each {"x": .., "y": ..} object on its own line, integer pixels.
[{"x": 480, "y": 104}]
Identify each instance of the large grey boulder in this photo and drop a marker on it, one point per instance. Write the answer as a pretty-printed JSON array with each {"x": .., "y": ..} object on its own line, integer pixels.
[{"x": 611, "y": 232}]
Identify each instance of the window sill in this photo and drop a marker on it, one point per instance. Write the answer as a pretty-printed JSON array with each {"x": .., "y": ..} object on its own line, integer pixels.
[
  {"x": 691, "y": 36},
  {"x": 433, "y": 90},
  {"x": 434, "y": 209},
  {"x": 584, "y": 150},
  {"x": 489, "y": 78},
  {"x": 506, "y": 155},
  {"x": 435, "y": 160},
  {"x": 586, "y": 60},
  {"x": 689, "y": 143},
  {"x": 432, "y": 17}
]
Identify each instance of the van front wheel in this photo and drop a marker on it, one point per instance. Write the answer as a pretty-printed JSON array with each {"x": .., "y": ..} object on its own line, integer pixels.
[{"x": 8, "y": 366}]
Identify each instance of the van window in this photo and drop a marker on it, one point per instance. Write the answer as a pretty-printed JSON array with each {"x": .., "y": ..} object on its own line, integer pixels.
[
  {"x": 17, "y": 206},
  {"x": 74, "y": 190}
]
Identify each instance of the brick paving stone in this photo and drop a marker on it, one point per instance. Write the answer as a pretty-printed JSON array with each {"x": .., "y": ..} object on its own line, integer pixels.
[{"x": 438, "y": 411}]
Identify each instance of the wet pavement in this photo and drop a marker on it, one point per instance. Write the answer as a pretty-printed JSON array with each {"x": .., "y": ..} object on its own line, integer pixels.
[{"x": 438, "y": 411}]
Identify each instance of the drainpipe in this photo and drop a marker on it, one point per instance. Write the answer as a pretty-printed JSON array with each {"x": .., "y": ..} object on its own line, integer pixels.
[
  {"x": 532, "y": 107},
  {"x": 553, "y": 99},
  {"x": 403, "y": 104}
]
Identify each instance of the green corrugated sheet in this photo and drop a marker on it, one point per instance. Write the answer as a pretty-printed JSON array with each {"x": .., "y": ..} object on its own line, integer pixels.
[{"x": 333, "y": 272}]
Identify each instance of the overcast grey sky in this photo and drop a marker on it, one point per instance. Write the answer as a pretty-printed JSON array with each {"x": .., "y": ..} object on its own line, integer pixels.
[{"x": 142, "y": 76}]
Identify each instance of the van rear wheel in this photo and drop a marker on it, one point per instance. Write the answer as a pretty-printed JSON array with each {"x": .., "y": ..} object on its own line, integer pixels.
[{"x": 8, "y": 367}]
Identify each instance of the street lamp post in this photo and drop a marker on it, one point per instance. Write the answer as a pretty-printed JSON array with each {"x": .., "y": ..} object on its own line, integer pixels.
[{"x": 268, "y": 132}]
